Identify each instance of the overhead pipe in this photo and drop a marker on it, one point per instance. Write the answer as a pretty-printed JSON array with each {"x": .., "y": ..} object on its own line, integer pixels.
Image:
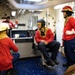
[
  {"x": 29, "y": 6},
  {"x": 33, "y": 7}
]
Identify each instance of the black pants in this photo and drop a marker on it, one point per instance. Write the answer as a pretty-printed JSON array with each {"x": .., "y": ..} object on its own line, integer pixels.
[
  {"x": 9, "y": 32},
  {"x": 53, "y": 48},
  {"x": 69, "y": 49}
]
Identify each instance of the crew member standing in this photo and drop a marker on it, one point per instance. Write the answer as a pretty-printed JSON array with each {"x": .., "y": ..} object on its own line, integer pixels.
[
  {"x": 69, "y": 35},
  {"x": 11, "y": 25}
]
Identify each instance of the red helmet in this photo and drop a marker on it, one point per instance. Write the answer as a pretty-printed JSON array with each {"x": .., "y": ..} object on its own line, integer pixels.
[{"x": 67, "y": 8}]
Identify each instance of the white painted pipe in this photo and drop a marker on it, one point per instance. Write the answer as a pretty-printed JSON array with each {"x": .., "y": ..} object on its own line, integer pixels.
[
  {"x": 35, "y": 6},
  {"x": 29, "y": 6}
]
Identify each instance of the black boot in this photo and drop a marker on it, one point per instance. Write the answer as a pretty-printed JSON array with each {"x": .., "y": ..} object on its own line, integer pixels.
[
  {"x": 12, "y": 72},
  {"x": 50, "y": 63},
  {"x": 56, "y": 62},
  {"x": 65, "y": 65}
]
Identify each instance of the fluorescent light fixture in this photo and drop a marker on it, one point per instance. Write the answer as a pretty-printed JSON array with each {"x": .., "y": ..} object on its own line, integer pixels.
[
  {"x": 35, "y": 0},
  {"x": 59, "y": 6},
  {"x": 39, "y": 10},
  {"x": 13, "y": 13}
]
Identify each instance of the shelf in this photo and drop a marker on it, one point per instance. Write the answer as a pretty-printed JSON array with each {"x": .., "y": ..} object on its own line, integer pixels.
[
  {"x": 20, "y": 30},
  {"x": 23, "y": 38},
  {"x": 21, "y": 34}
]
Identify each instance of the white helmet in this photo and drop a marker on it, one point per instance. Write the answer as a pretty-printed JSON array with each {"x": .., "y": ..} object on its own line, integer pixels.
[{"x": 4, "y": 26}]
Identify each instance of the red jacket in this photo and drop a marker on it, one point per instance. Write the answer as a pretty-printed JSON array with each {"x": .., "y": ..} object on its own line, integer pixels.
[
  {"x": 69, "y": 26},
  {"x": 6, "y": 45},
  {"x": 49, "y": 36},
  {"x": 11, "y": 25}
]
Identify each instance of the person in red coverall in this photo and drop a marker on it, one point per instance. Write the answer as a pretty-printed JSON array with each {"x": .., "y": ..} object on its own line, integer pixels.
[
  {"x": 45, "y": 39},
  {"x": 69, "y": 35},
  {"x": 6, "y": 44},
  {"x": 11, "y": 25}
]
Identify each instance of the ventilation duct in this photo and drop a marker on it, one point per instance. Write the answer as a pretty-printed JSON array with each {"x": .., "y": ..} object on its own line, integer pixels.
[
  {"x": 36, "y": 6},
  {"x": 29, "y": 6}
]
